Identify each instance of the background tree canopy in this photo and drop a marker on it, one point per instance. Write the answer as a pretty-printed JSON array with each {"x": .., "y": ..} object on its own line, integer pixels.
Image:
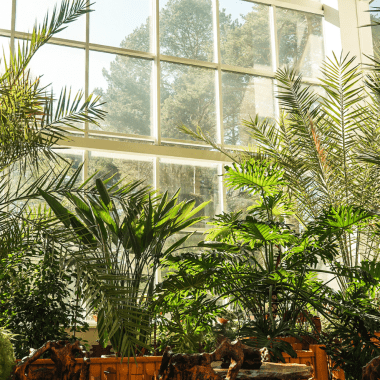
[{"x": 188, "y": 92}]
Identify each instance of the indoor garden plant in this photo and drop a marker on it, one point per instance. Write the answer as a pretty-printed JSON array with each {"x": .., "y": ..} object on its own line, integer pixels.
[
  {"x": 124, "y": 229},
  {"x": 327, "y": 147},
  {"x": 31, "y": 123},
  {"x": 7, "y": 356}
]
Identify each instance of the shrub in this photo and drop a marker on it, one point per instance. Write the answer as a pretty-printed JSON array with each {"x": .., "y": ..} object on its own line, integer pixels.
[{"x": 7, "y": 356}]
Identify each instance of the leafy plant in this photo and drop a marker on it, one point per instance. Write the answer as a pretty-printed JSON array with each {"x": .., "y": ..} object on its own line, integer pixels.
[
  {"x": 351, "y": 341},
  {"x": 39, "y": 305},
  {"x": 259, "y": 265},
  {"x": 124, "y": 229},
  {"x": 32, "y": 122},
  {"x": 326, "y": 147},
  {"x": 7, "y": 356},
  {"x": 184, "y": 321}
]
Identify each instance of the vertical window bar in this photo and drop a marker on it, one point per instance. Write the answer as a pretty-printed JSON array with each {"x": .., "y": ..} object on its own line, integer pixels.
[
  {"x": 86, "y": 87},
  {"x": 156, "y": 94},
  {"x": 218, "y": 73},
  {"x": 85, "y": 165},
  {"x": 13, "y": 26},
  {"x": 156, "y": 179},
  {"x": 222, "y": 189},
  {"x": 156, "y": 173},
  {"x": 275, "y": 53}
]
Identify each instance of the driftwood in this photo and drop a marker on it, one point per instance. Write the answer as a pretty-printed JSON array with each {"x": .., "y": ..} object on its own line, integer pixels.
[
  {"x": 97, "y": 350},
  {"x": 198, "y": 366},
  {"x": 275, "y": 371},
  {"x": 372, "y": 370},
  {"x": 63, "y": 356}
]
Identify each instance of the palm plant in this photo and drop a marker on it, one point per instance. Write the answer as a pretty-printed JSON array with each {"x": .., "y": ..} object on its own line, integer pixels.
[
  {"x": 319, "y": 142},
  {"x": 32, "y": 122},
  {"x": 124, "y": 230}
]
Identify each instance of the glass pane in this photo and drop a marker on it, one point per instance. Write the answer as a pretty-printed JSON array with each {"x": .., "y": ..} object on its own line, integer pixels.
[
  {"x": 245, "y": 34},
  {"x": 28, "y": 12},
  {"x": 186, "y": 29},
  {"x": 59, "y": 66},
  {"x": 121, "y": 167},
  {"x": 187, "y": 98},
  {"x": 73, "y": 157},
  {"x": 375, "y": 19},
  {"x": 196, "y": 182},
  {"x": 4, "y": 50},
  {"x": 300, "y": 41},
  {"x": 190, "y": 245},
  {"x": 5, "y": 14},
  {"x": 124, "y": 84},
  {"x": 244, "y": 97},
  {"x": 239, "y": 200},
  {"x": 125, "y": 23}
]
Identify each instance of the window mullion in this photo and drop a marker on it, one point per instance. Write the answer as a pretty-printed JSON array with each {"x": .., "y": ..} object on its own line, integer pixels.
[
  {"x": 218, "y": 81},
  {"x": 156, "y": 77},
  {"x": 275, "y": 52},
  {"x": 87, "y": 64},
  {"x": 13, "y": 26}
]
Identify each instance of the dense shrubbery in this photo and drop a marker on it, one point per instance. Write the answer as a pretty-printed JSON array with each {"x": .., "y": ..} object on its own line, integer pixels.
[
  {"x": 317, "y": 167},
  {"x": 7, "y": 356},
  {"x": 39, "y": 305}
]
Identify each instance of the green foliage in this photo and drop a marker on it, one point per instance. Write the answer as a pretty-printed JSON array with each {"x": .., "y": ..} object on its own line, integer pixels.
[
  {"x": 37, "y": 304},
  {"x": 7, "y": 356},
  {"x": 185, "y": 326},
  {"x": 351, "y": 341},
  {"x": 124, "y": 229},
  {"x": 261, "y": 267},
  {"x": 33, "y": 250},
  {"x": 327, "y": 151}
]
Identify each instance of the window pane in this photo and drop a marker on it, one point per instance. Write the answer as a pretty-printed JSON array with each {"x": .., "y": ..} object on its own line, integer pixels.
[
  {"x": 125, "y": 23},
  {"x": 375, "y": 18},
  {"x": 124, "y": 84},
  {"x": 187, "y": 98},
  {"x": 5, "y": 14},
  {"x": 186, "y": 29},
  {"x": 244, "y": 97},
  {"x": 59, "y": 66},
  {"x": 28, "y": 12},
  {"x": 196, "y": 182},
  {"x": 73, "y": 157},
  {"x": 300, "y": 41},
  {"x": 245, "y": 34},
  {"x": 237, "y": 200},
  {"x": 121, "y": 167}
]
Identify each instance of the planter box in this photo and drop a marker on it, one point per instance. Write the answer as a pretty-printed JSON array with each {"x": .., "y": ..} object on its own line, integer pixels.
[
  {"x": 315, "y": 357},
  {"x": 146, "y": 369}
]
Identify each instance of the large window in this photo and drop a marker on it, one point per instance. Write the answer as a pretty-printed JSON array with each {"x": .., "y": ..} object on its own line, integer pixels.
[
  {"x": 159, "y": 64},
  {"x": 375, "y": 20}
]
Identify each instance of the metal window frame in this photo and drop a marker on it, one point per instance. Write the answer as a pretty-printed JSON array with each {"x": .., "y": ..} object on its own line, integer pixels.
[{"x": 92, "y": 139}]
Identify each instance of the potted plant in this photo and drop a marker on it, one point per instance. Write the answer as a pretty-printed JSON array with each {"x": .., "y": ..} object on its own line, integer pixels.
[
  {"x": 29, "y": 161},
  {"x": 124, "y": 229}
]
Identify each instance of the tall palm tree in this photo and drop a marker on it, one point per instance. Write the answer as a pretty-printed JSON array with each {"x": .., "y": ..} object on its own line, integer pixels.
[
  {"x": 320, "y": 141},
  {"x": 32, "y": 122}
]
